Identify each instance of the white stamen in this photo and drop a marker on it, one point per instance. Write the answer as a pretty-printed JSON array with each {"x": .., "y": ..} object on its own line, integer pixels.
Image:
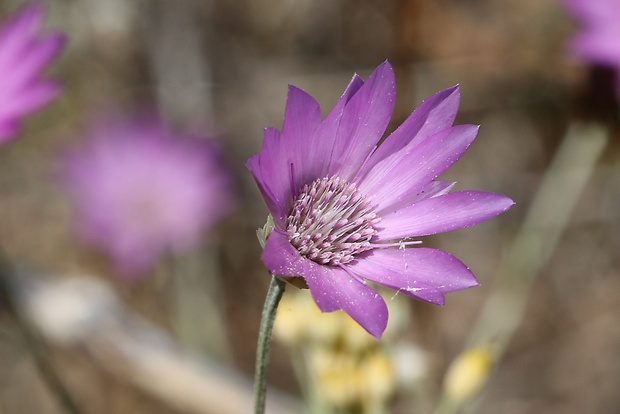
[{"x": 331, "y": 222}]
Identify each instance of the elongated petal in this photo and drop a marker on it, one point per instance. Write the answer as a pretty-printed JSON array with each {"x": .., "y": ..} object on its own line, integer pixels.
[
  {"x": 444, "y": 213},
  {"x": 302, "y": 115},
  {"x": 24, "y": 54},
  {"x": 272, "y": 175},
  {"x": 19, "y": 30},
  {"x": 435, "y": 188},
  {"x": 333, "y": 118},
  {"x": 435, "y": 114},
  {"x": 332, "y": 288},
  {"x": 301, "y": 121},
  {"x": 423, "y": 273},
  {"x": 364, "y": 120},
  {"x": 402, "y": 174},
  {"x": 35, "y": 96},
  {"x": 326, "y": 135},
  {"x": 254, "y": 165},
  {"x": 33, "y": 60}
]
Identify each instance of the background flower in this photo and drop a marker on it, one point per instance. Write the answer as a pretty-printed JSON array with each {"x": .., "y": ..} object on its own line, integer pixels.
[
  {"x": 598, "y": 37},
  {"x": 339, "y": 202},
  {"x": 140, "y": 190},
  {"x": 24, "y": 54}
]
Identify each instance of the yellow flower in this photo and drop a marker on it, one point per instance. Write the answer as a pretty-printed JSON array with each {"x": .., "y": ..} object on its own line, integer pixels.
[
  {"x": 335, "y": 376},
  {"x": 468, "y": 373},
  {"x": 300, "y": 320},
  {"x": 377, "y": 378}
]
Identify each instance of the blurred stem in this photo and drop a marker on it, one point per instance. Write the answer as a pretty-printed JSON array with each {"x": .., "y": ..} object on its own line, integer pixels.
[
  {"x": 539, "y": 234},
  {"x": 33, "y": 342},
  {"x": 198, "y": 309},
  {"x": 446, "y": 406},
  {"x": 536, "y": 240},
  {"x": 274, "y": 294}
]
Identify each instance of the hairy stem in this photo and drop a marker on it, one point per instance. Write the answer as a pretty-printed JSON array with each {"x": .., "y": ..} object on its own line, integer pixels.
[{"x": 274, "y": 294}]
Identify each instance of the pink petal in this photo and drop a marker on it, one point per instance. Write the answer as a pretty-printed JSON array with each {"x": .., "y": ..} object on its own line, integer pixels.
[
  {"x": 400, "y": 175},
  {"x": 332, "y": 120},
  {"x": 32, "y": 61},
  {"x": 435, "y": 188},
  {"x": 326, "y": 135},
  {"x": 301, "y": 121},
  {"x": 363, "y": 122},
  {"x": 18, "y": 31},
  {"x": 423, "y": 273},
  {"x": 443, "y": 213},
  {"x": 33, "y": 97},
  {"x": 272, "y": 175},
  {"x": 433, "y": 115},
  {"x": 332, "y": 288}
]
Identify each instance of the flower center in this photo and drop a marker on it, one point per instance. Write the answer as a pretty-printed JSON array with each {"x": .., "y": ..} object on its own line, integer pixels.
[{"x": 331, "y": 222}]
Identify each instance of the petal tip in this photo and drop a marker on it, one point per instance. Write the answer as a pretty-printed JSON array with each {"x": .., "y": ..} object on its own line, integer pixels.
[
  {"x": 386, "y": 72},
  {"x": 439, "y": 300},
  {"x": 376, "y": 330},
  {"x": 506, "y": 202},
  {"x": 386, "y": 64}
]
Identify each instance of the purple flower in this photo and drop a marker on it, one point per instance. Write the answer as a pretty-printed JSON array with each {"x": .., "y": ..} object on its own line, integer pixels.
[
  {"x": 598, "y": 40},
  {"x": 140, "y": 190},
  {"x": 346, "y": 210},
  {"x": 24, "y": 54}
]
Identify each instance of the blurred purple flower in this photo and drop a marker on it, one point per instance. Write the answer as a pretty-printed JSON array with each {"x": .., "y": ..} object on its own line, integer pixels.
[
  {"x": 345, "y": 210},
  {"x": 24, "y": 54},
  {"x": 140, "y": 190},
  {"x": 598, "y": 40}
]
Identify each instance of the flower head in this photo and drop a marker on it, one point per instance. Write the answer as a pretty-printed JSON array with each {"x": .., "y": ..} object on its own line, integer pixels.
[
  {"x": 24, "y": 54},
  {"x": 140, "y": 190},
  {"x": 346, "y": 210}
]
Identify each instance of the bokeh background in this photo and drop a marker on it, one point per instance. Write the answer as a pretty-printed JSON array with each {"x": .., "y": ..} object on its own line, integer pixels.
[{"x": 225, "y": 65}]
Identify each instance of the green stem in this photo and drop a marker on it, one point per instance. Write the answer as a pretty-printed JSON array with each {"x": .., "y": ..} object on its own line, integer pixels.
[{"x": 274, "y": 294}]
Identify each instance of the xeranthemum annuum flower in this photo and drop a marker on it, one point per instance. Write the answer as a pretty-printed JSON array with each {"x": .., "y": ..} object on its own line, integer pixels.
[
  {"x": 140, "y": 189},
  {"x": 346, "y": 210}
]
